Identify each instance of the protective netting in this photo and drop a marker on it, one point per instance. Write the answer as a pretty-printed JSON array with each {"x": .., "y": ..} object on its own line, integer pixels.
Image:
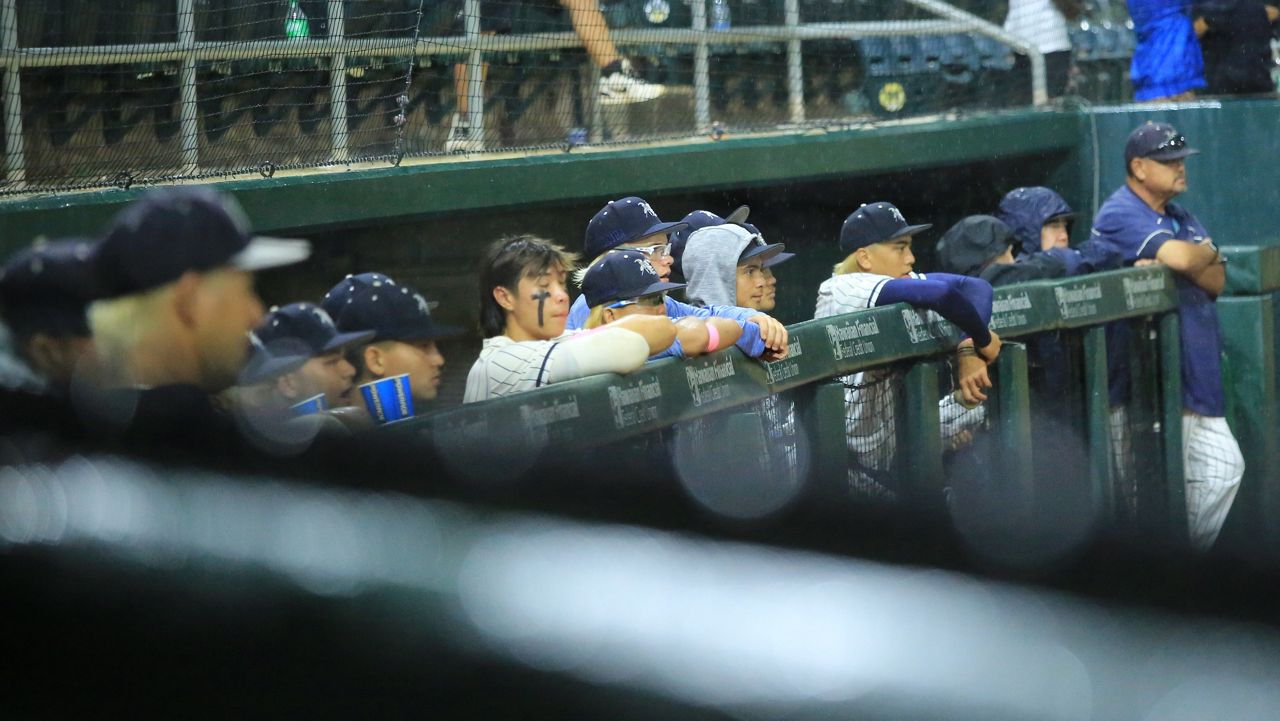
[{"x": 114, "y": 92}]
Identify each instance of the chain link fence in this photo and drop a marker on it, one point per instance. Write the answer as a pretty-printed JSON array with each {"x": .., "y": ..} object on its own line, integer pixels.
[{"x": 99, "y": 93}]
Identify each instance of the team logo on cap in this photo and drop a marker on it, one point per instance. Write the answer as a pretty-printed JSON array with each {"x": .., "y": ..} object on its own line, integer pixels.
[
  {"x": 646, "y": 267},
  {"x": 423, "y": 305},
  {"x": 648, "y": 210},
  {"x": 324, "y": 318},
  {"x": 897, "y": 214}
]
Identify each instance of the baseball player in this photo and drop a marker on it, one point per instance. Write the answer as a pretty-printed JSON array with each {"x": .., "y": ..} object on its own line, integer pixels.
[
  {"x": 175, "y": 303},
  {"x": 1141, "y": 221},
  {"x": 44, "y": 291},
  {"x": 877, "y": 271},
  {"x": 404, "y": 333},
  {"x": 299, "y": 354},
  {"x": 726, "y": 264},
  {"x": 631, "y": 223},
  {"x": 746, "y": 278},
  {"x": 625, "y": 283},
  {"x": 524, "y": 304}
]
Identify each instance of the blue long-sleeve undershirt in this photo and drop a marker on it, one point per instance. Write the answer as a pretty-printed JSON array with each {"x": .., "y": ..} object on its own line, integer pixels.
[{"x": 964, "y": 301}]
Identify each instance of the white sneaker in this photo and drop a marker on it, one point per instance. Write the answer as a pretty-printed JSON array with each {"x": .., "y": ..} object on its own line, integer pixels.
[
  {"x": 624, "y": 87},
  {"x": 462, "y": 137}
]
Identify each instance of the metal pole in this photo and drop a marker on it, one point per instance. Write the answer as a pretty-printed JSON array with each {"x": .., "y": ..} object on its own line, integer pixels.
[
  {"x": 91, "y": 55},
  {"x": 190, "y": 126},
  {"x": 595, "y": 132},
  {"x": 338, "y": 82},
  {"x": 1039, "y": 92},
  {"x": 701, "y": 70},
  {"x": 795, "y": 71},
  {"x": 475, "y": 70},
  {"x": 15, "y": 166}
]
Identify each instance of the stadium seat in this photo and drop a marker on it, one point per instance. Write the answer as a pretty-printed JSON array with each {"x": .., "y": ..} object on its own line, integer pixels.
[
  {"x": 997, "y": 85},
  {"x": 901, "y": 75}
]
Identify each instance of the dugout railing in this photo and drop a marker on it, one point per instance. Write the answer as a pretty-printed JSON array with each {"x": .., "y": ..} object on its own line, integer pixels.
[{"x": 1017, "y": 456}]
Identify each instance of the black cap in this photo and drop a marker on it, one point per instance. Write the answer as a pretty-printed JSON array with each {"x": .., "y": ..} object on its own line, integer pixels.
[
  {"x": 698, "y": 220},
  {"x": 268, "y": 360},
  {"x": 875, "y": 223},
  {"x": 623, "y": 221},
  {"x": 170, "y": 231},
  {"x": 1158, "y": 141},
  {"x": 969, "y": 245},
  {"x": 758, "y": 247},
  {"x": 623, "y": 275},
  {"x": 372, "y": 301},
  {"x": 46, "y": 288}
]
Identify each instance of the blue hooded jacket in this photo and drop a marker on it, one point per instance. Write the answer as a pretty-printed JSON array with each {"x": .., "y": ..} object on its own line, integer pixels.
[{"x": 1026, "y": 210}]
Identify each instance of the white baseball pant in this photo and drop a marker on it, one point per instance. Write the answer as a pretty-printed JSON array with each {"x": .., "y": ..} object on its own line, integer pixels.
[{"x": 1213, "y": 466}]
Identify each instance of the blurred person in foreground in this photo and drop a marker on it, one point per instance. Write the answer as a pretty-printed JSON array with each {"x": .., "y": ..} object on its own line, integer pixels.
[
  {"x": 175, "y": 273},
  {"x": 404, "y": 336},
  {"x": 524, "y": 305},
  {"x": 44, "y": 292},
  {"x": 1141, "y": 221}
]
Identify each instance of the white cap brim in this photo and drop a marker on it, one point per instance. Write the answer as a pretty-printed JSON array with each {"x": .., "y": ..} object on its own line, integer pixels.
[{"x": 264, "y": 252}]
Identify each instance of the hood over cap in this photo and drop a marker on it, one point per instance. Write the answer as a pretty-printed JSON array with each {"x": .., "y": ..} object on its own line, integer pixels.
[
  {"x": 1026, "y": 210},
  {"x": 711, "y": 258},
  {"x": 972, "y": 243}
]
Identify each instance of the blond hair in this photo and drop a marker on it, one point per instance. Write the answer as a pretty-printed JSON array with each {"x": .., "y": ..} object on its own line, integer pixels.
[
  {"x": 581, "y": 273},
  {"x": 120, "y": 324},
  {"x": 846, "y": 266},
  {"x": 596, "y": 318}
]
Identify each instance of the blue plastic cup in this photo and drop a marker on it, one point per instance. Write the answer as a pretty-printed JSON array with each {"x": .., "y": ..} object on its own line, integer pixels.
[
  {"x": 314, "y": 404},
  {"x": 388, "y": 399}
]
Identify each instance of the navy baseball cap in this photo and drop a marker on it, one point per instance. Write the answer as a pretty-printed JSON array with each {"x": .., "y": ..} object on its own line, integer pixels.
[
  {"x": 267, "y": 360},
  {"x": 623, "y": 221},
  {"x": 310, "y": 324},
  {"x": 698, "y": 220},
  {"x": 775, "y": 259},
  {"x": 1158, "y": 141},
  {"x": 45, "y": 288},
  {"x": 374, "y": 302},
  {"x": 623, "y": 275},
  {"x": 758, "y": 247},
  {"x": 875, "y": 223},
  {"x": 170, "y": 231}
]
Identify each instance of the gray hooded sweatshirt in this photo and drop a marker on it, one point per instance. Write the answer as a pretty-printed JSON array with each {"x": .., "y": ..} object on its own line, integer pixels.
[{"x": 711, "y": 264}]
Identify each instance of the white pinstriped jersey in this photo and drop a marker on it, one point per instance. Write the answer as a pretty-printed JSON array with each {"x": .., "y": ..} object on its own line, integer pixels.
[
  {"x": 852, "y": 292},
  {"x": 868, "y": 395},
  {"x": 506, "y": 367}
]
